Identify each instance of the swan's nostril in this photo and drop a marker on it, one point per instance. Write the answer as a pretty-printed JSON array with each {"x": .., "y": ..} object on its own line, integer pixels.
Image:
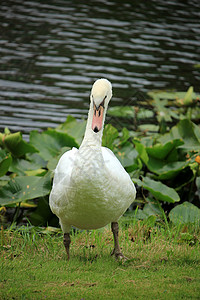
[{"x": 96, "y": 129}]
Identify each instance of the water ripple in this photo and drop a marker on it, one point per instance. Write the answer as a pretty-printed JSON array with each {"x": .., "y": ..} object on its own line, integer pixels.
[{"x": 52, "y": 52}]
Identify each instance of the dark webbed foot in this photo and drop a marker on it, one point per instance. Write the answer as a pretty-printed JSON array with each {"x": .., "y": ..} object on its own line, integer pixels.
[
  {"x": 67, "y": 241},
  {"x": 118, "y": 255}
]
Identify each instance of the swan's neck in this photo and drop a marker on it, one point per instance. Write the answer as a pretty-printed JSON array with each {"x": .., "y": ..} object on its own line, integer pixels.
[{"x": 92, "y": 139}]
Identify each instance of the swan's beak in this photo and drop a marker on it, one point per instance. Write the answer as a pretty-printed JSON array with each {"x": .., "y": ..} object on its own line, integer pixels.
[{"x": 97, "y": 121}]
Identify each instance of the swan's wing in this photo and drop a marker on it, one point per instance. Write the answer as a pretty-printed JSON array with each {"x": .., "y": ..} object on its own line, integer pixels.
[
  {"x": 61, "y": 181},
  {"x": 64, "y": 166},
  {"x": 117, "y": 171},
  {"x": 112, "y": 163}
]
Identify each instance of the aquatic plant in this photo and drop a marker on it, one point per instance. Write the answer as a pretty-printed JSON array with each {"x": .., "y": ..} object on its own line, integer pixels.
[{"x": 163, "y": 160}]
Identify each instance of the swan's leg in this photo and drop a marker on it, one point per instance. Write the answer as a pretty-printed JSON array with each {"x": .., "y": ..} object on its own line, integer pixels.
[
  {"x": 116, "y": 251},
  {"x": 67, "y": 241}
]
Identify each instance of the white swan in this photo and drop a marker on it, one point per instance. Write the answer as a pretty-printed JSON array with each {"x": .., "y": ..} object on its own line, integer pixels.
[{"x": 90, "y": 187}]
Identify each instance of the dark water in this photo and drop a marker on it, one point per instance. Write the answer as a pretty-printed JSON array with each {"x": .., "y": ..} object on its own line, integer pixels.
[{"x": 52, "y": 51}]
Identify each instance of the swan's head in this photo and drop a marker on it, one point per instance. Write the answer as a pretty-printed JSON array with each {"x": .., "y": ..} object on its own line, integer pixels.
[{"x": 101, "y": 94}]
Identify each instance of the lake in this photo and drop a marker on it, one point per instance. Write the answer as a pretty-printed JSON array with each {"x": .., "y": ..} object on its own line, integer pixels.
[{"x": 52, "y": 51}]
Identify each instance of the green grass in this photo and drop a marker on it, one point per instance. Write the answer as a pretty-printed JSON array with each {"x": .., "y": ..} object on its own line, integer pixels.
[{"x": 163, "y": 264}]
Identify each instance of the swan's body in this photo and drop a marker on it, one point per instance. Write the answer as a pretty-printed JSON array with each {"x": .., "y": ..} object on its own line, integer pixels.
[
  {"x": 92, "y": 191},
  {"x": 91, "y": 188}
]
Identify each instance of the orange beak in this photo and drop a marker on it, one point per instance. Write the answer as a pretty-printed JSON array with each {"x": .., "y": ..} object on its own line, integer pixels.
[{"x": 97, "y": 120}]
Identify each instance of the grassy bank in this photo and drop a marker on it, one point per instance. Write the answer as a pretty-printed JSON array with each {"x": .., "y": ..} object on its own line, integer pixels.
[{"x": 163, "y": 264}]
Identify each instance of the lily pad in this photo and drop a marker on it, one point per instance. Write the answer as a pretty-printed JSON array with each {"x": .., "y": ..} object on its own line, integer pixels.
[
  {"x": 185, "y": 213},
  {"x": 109, "y": 135},
  {"x": 73, "y": 128},
  {"x": 189, "y": 96},
  {"x": 159, "y": 190},
  {"x": 15, "y": 144},
  {"x": 186, "y": 131},
  {"x": 152, "y": 209},
  {"x": 5, "y": 161},
  {"x": 49, "y": 142},
  {"x": 21, "y": 166},
  {"x": 171, "y": 170},
  {"x": 23, "y": 188},
  {"x": 142, "y": 151},
  {"x": 127, "y": 155},
  {"x": 160, "y": 151},
  {"x": 122, "y": 111},
  {"x": 162, "y": 159},
  {"x": 149, "y": 128}
]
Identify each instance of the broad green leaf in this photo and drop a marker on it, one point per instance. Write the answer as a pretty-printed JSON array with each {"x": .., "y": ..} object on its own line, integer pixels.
[
  {"x": 122, "y": 111},
  {"x": 36, "y": 159},
  {"x": 144, "y": 113},
  {"x": 149, "y": 213},
  {"x": 42, "y": 214},
  {"x": 142, "y": 151},
  {"x": 127, "y": 154},
  {"x": 7, "y": 130},
  {"x": 188, "y": 96},
  {"x": 171, "y": 170},
  {"x": 4, "y": 179},
  {"x": 197, "y": 131},
  {"x": 147, "y": 141},
  {"x": 5, "y": 161},
  {"x": 166, "y": 170},
  {"x": 49, "y": 230},
  {"x": 197, "y": 65},
  {"x": 23, "y": 188},
  {"x": 186, "y": 131},
  {"x": 28, "y": 204},
  {"x": 173, "y": 155},
  {"x": 179, "y": 96},
  {"x": 74, "y": 128},
  {"x": 190, "y": 134},
  {"x": 50, "y": 142},
  {"x": 149, "y": 128},
  {"x": 20, "y": 166},
  {"x": 38, "y": 172},
  {"x": 152, "y": 208},
  {"x": 160, "y": 151},
  {"x": 69, "y": 123},
  {"x": 159, "y": 190},
  {"x": 16, "y": 145},
  {"x": 136, "y": 214},
  {"x": 124, "y": 136},
  {"x": 110, "y": 133},
  {"x": 130, "y": 112},
  {"x": 198, "y": 186},
  {"x": 160, "y": 105},
  {"x": 185, "y": 213},
  {"x": 162, "y": 95},
  {"x": 156, "y": 158}
]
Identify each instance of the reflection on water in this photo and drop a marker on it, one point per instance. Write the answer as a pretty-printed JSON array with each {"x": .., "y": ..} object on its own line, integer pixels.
[{"x": 51, "y": 53}]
